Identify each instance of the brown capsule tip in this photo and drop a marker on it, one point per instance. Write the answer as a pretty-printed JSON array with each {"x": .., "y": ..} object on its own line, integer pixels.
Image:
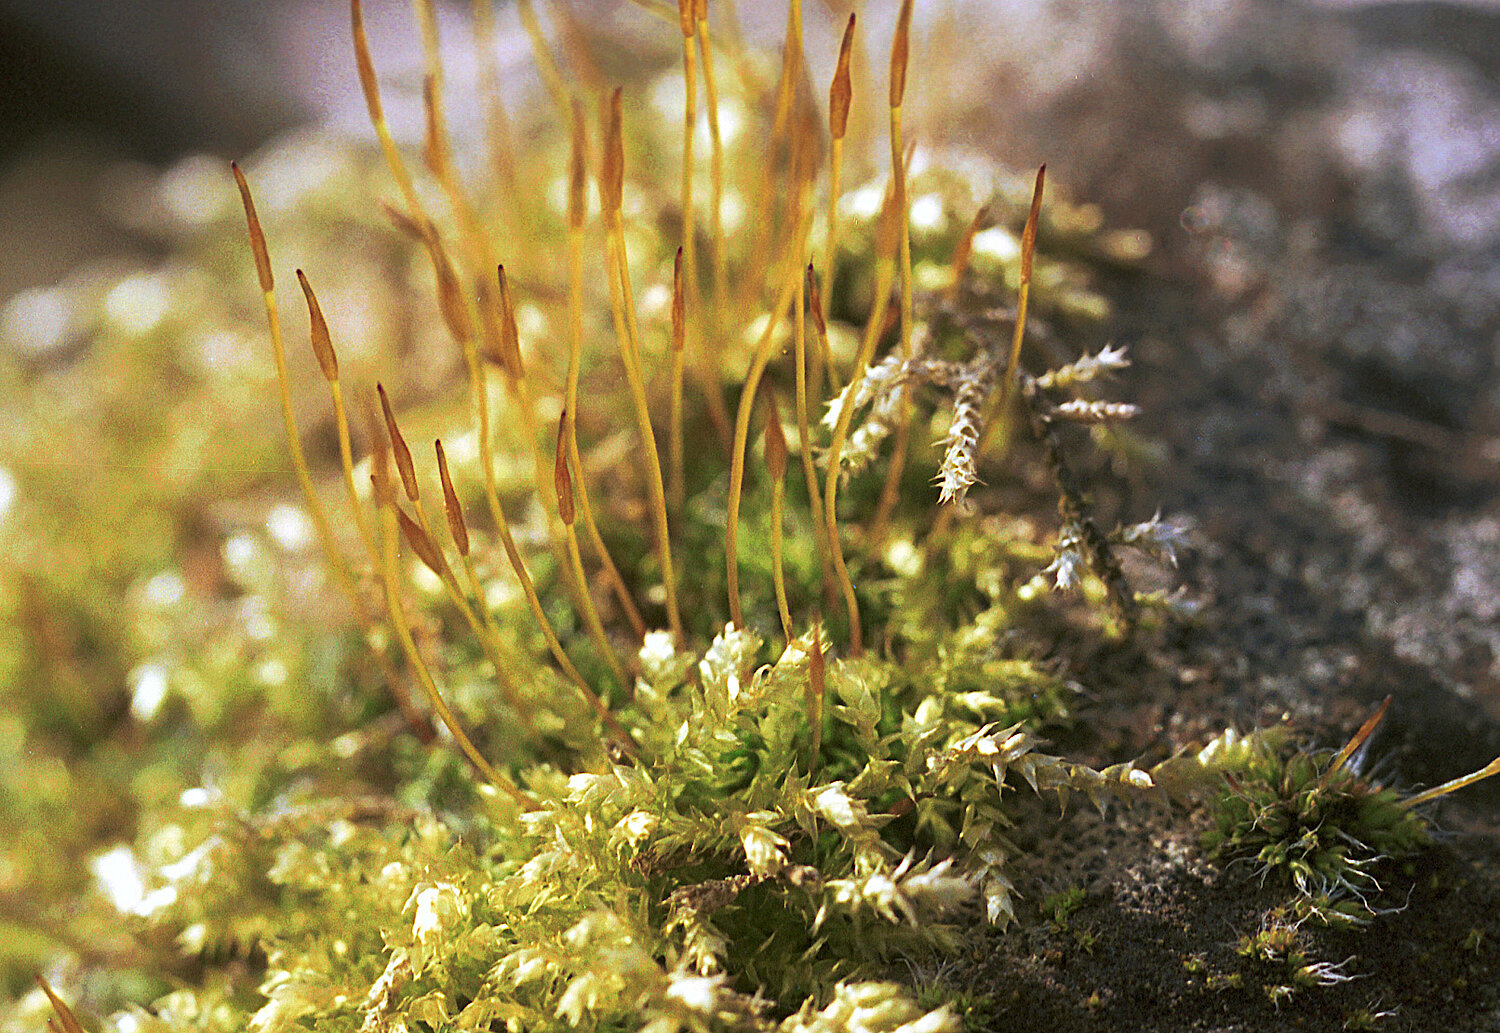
[
  {"x": 578, "y": 173},
  {"x": 257, "y": 237},
  {"x": 422, "y": 545},
  {"x": 450, "y": 296},
  {"x": 612, "y": 176},
  {"x": 434, "y": 153},
  {"x": 700, "y": 10},
  {"x": 69, "y": 1022},
  {"x": 456, "y": 524},
  {"x": 1028, "y": 235},
  {"x": 562, "y": 480},
  {"x": 679, "y": 305},
  {"x": 815, "y": 301},
  {"x": 404, "y": 465},
  {"x": 322, "y": 343},
  {"x": 840, "y": 94},
  {"x": 685, "y": 11},
  {"x": 510, "y": 337},
  {"x": 775, "y": 442},
  {"x": 900, "y": 49}
]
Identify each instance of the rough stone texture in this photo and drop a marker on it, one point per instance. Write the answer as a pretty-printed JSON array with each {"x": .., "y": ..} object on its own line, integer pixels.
[{"x": 1316, "y": 346}]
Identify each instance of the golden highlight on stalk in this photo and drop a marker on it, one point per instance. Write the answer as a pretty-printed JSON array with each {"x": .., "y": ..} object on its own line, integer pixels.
[{"x": 611, "y": 191}]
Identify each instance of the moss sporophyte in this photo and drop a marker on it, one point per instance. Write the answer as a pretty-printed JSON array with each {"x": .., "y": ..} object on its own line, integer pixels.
[{"x": 739, "y": 724}]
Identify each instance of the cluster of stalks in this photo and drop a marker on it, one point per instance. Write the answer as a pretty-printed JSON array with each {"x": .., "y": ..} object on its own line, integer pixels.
[{"x": 478, "y": 304}]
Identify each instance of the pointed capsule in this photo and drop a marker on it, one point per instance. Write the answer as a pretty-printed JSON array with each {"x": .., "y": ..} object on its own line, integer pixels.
[
  {"x": 775, "y": 441},
  {"x": 450, "y": 295},
  {"x": 257, "y": 237},
  {"x": 510, "y": 337},
  {"x": 1028, "y": 235},
  {"x": 69, "y": 1022},
  {"x": 578, "y": 172},
  {"x": 612, "y": 175},
  {"x": 900, "y": 49},
  {"x": 679, "y": 306},
  {"x": 426, "y": 550},
  {"x": 963, "y": 251},
  {"x": 434, "y": 144},
  {"x": 322, "y": 343},
  {"x": 815, "y": 302},
  {"x": 841, "y": 93},
  {"x": 685, "y": 9},
  {"x": 404, "y": 464},
  {"x": 562, "y": 480},
  {"x": 457, "y": 527}
]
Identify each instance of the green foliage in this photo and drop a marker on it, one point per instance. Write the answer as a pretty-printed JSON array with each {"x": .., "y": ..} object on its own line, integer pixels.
[{"x": 1320, "y": 830}]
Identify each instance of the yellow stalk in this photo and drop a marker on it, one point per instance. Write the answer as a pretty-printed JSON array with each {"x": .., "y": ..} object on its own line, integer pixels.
[
  {"x": 840, "y": 95},
  {"x": 542, "y": 54},
  {"x": 563, "y": 482},
  {"x": 964, "y": 250},
  {"x": 419, "y": 536},
  {"x": 577, "y": 209},
  {"x": 885, "y": 245},
  {"x": 1028, "y": 249},
  {"x": 890, "y": 491},
  {"x": 388, "y": 575},
  {"x": 804, "y": 430},
  {"x": 1488, "y": 771},
  {"x": 689, "y": 129},
  {"x": 497, "y": 120},
  {"x": 283, "y": 383},
  {"x": 776, "y": 464},
  {"x": 716, "y": 155},
  {"x": 762, "y": 355},
  {"x": 611, "y": 189},
  {"x": 371, "y": 87},
  {"x": 675, "y": 489},
  {"x": 786, "y": 96},
  {"x": 328, "y": 360},
  {"x": 816, "y": 680}
]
